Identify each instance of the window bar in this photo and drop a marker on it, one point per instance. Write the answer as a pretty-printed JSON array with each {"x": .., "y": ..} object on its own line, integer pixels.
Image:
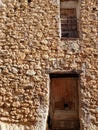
[{"x": 69, "y": 27}]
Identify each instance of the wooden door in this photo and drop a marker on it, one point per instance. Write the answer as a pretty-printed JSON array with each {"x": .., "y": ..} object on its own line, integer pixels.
[{"x": 64, "y": 112}]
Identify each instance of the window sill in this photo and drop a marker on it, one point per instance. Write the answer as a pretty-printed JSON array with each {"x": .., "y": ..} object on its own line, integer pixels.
[{"x": 65, "y": 38}]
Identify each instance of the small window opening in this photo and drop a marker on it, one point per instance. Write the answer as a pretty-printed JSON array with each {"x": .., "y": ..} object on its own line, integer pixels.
[{"x": 69, "y": 19}]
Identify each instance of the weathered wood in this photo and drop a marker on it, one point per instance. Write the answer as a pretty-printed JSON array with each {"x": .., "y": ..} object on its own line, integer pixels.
[{"x": 64, "y": 101}]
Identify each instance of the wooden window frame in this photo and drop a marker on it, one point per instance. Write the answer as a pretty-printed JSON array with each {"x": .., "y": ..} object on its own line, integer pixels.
[
  {"x": 72, "y": 33},
  {"x": 69, "y": 23}
]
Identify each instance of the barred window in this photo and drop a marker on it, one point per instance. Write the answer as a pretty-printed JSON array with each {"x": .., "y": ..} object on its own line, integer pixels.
[{"x": 69, "y": 22}]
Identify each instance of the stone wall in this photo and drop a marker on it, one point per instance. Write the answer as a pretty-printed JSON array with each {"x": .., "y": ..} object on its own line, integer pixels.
[
  {"x": 30, "y": 47},
  {"x": 89, "y": 53}
]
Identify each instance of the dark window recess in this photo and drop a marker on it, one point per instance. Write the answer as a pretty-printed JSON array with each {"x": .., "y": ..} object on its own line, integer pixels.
[{"x": 69, "y": 23}]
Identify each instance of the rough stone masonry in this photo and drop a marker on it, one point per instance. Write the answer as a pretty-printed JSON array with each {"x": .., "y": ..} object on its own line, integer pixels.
[{"x": 30, "y": 45}]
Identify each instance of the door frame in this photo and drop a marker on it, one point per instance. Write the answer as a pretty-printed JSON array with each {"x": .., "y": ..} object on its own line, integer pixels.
[{"x": 79, "y": 95}]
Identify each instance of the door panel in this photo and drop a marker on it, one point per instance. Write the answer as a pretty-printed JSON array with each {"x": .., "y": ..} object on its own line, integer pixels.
[{"x": 64, "y": 102}]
